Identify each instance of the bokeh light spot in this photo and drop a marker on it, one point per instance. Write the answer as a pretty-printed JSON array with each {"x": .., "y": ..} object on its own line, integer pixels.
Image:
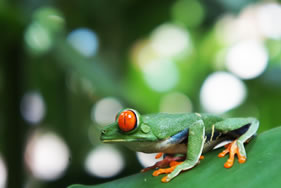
[
  {"x": 147, "y": 159},
  {"x": 188, "y": 12},
  {"x": 269, "y": 16},
  {"x": 104, "y": 162},
  {"x": 51, "y": 18},
  {"x": 142, "y": 54},
  {"x": 161, "y": 75},
  {"x": 221, "y": 92},
  {"x": 3, "y": 173},
  {"x": 38, "y": 38},
  {"x": 47, "y": 156},
  {"x": 84, "y": 41},
  {"x": 105, "y": 110},
  {"x": 231, "y": 29},
  {"x": 169, "y": 40},
  {"x": 247, "y": 59},
  {"x": 33, "y": 107},
  {"x": 175, "y": 103}
]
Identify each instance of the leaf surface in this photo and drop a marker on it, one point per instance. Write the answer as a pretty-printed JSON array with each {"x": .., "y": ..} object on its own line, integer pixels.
[{"x": 262, "y": 169}]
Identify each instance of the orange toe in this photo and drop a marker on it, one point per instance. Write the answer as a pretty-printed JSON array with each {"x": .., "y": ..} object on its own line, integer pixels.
[
  {"x": 232, "y": 149},
  {"x": 228, "y": 163},
  {"x": 174, "y": 163},
  {"x": 242, "y": 159},
  {"x": 158, "y": 155},
  {"x": 163, "y": 171},
  {"x": 224, "y": 152},
  {"x": 166, "y": 170},
  {"x": 156, "y": 173},
  {"x": 164, "y": 179}
]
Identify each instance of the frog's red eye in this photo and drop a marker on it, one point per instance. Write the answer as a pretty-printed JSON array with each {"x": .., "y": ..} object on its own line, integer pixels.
[{"x": 127, "y": 120}]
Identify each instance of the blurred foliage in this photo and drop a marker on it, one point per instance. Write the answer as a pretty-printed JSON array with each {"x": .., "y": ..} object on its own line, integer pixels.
[{"x": 37, "y": 56}]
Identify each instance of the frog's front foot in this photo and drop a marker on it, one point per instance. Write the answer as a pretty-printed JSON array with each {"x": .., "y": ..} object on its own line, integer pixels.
[
  {"x": 233, "y": 148},
  {"x": 165, "y": 179},
  {"x": 175, "y": 168},
  {"x": 168, "y": 159}
]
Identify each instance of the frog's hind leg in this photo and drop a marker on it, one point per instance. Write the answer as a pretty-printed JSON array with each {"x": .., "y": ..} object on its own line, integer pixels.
[{"x": 237, "y": 126}]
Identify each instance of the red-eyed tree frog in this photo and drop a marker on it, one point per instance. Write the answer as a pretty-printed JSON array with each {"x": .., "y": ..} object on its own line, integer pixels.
[{"x": 183, "y": 138}]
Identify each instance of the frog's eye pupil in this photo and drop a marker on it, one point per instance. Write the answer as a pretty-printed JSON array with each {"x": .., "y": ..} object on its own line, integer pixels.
[{"x": 127, "y": 120}]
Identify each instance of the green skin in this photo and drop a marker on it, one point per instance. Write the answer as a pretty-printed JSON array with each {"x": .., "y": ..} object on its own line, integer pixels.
[{"x": 190, "y": 133}]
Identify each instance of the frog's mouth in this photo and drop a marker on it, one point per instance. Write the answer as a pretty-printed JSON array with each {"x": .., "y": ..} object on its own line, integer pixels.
[
  {"x": 113, "y": 140},
  {"x": 116, "y": 137},
  {"x": 120, "y": 140}
]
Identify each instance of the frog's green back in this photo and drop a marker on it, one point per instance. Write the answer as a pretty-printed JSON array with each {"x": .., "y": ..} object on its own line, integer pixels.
[
  {"x": 164, "y": 125},
  {"x": 210, "y": 120}
]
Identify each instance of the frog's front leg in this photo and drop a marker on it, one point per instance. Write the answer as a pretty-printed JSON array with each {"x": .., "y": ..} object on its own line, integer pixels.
[{"x": 194, "y": 149}]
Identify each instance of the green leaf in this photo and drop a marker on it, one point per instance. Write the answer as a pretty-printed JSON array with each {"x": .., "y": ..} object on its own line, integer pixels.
[{"x": 262, "y": 169}]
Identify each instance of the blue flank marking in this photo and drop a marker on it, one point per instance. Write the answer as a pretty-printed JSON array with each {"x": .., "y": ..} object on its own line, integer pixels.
[
  {"x": 179, "y": 137},
  {"x": 241, "y": 130},
  {"x": 235, "y": 133}
]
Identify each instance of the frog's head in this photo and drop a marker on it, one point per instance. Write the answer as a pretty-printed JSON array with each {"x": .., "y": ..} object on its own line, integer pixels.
[{"x": 128, "y": 127}]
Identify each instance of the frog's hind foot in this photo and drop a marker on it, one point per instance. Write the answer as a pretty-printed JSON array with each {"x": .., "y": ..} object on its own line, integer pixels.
[
  {"x": 168, "y": 159},
  {"x": 173, "y": 164},
  {"x": 233, "y": 148}
]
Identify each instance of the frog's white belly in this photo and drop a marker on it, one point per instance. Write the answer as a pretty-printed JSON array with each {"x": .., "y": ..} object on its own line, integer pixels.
[
  {"x": 166, "y": 147},
  {"x": 159, "y": 146}
]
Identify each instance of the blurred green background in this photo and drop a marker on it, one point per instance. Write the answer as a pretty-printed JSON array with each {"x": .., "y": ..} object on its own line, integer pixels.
[{"x": 67, "y": 68}]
